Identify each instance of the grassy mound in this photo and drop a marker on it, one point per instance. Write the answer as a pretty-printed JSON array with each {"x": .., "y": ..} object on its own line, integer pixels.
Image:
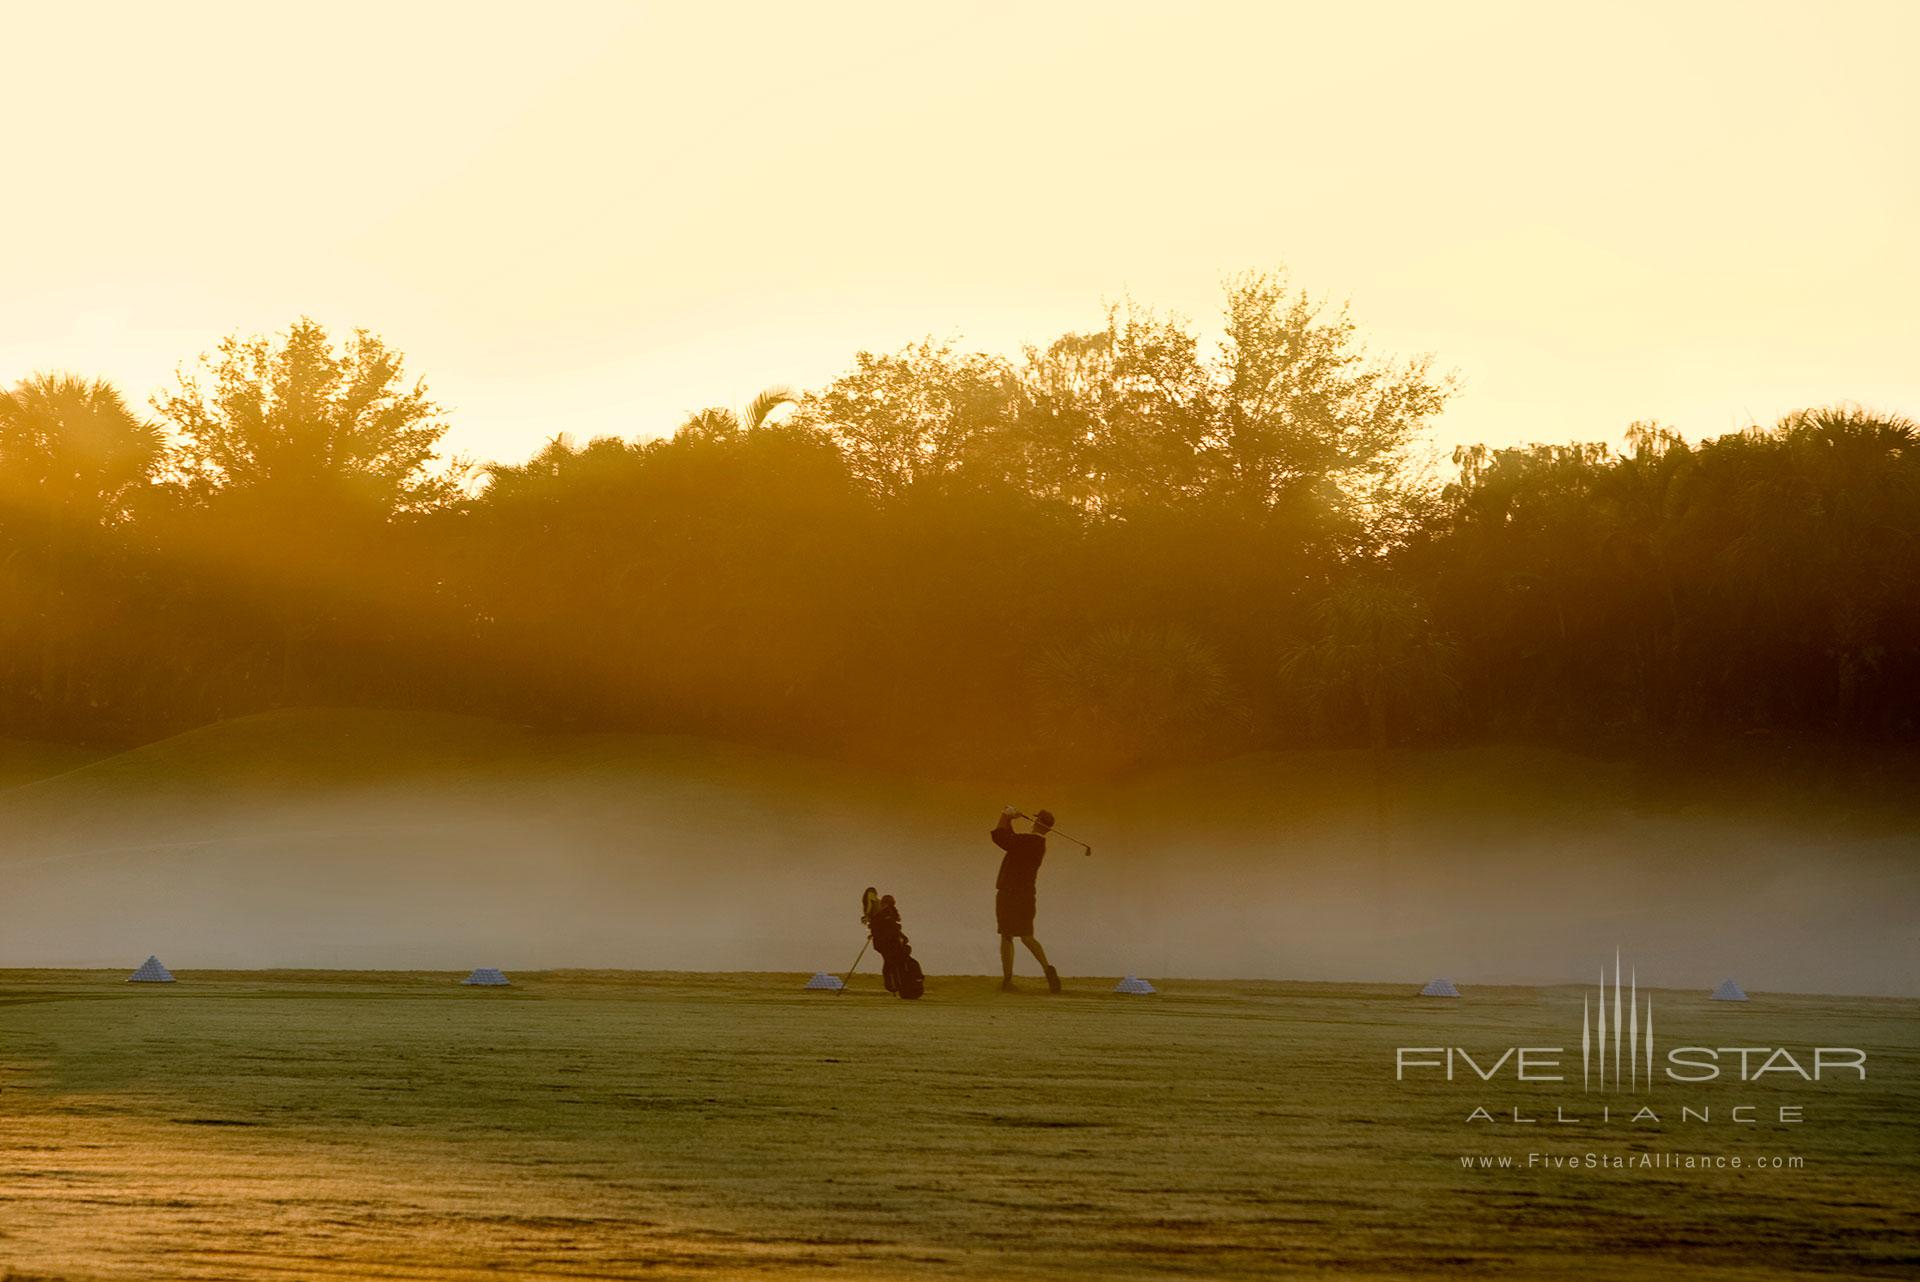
[{"x": 24, "y": 761}]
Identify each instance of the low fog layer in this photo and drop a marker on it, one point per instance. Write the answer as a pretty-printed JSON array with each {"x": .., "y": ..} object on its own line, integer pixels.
[{"x": 378, "y": 840}]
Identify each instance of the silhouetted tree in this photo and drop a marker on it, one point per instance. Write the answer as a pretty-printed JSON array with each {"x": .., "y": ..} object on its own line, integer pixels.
[
  {"x": 1171, "y": 549},
  {"x": 304, "y": 421},
  {"x": 75, "y": 463},
  {"x": 298, "y": 455},
  {"x": 1117, "y": 421},
  {"x": 716, "y": 423},
  {"x": 71, "y": 451},
  {"x": 924, "y": 416},
  {"x": 1302, "y": 408},
  {"x": 1824, "y": 550}
]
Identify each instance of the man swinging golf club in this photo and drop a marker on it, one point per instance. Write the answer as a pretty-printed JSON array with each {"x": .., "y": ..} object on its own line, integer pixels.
[{"x": 1013, "y": 901}]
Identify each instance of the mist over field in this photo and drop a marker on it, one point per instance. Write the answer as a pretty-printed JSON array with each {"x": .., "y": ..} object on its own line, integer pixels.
[{"x": 391, "y": 840}]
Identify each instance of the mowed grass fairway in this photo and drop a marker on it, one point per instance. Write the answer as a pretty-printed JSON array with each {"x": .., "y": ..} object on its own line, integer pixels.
[{"x": 620, "y": 1125}]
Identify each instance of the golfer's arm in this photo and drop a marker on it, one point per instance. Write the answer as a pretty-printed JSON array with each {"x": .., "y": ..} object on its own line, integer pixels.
[
  {"x": 1005, "y": 824},
  {"x": 1002, "y": 833}
]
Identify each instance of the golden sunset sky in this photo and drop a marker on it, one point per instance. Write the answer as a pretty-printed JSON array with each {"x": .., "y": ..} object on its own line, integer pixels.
[{"x": 594, "y": 218}]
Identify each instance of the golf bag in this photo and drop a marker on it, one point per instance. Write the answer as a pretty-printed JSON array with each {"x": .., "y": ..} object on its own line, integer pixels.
[{"x": 898, "y": 969}]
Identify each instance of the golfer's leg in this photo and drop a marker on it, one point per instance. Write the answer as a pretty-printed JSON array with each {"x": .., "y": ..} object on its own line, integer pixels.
[
  {"x": 1033, "y": 946},
  {"x": 1006, "y": 958}
]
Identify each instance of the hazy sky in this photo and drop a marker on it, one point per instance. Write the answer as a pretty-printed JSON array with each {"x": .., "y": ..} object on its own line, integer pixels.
[{"x": 595, "y": 218}]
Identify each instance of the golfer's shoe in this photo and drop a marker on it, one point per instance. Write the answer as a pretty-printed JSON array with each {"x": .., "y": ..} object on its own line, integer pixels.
[
  {"x": 1053, "y": 980},
  {"x": 1006, "y": 986}
]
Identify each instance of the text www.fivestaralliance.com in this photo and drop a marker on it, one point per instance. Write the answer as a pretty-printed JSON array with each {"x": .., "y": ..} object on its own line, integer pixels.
[{"x": 1663, "y": 1162}]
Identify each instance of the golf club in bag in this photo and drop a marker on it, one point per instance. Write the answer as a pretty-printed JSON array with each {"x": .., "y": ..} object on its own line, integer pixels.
[{"x": 898, "y": 970}]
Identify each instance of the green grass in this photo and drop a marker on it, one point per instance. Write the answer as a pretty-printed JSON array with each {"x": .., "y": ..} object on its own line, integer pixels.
[{"x": 621, "y": 1125}]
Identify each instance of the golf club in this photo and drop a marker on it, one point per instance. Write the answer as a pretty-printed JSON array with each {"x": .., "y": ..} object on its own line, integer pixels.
[
  {"x": 1055, "y": 832},
  {"x": 854, "y": 967}
]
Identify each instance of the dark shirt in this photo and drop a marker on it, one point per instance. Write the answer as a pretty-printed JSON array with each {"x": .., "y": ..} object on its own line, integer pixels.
[{"x": 1021, "y": 864}]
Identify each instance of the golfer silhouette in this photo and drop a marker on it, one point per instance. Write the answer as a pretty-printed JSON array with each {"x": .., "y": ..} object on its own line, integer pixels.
[{"x": 1014, "y": 892}]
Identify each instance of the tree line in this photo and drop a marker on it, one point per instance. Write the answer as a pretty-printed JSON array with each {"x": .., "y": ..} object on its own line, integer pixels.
[{"x": 1126, "y": 547}]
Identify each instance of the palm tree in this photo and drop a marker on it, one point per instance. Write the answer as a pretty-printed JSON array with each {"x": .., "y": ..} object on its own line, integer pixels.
[
  {"x": 72, "y": 452},
  {"x": 73, "y": 459},
  {"x": 718, "y": 424}
]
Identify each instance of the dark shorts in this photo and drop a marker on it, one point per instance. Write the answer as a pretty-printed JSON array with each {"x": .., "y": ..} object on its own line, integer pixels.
[{"x": 1013, "y": 910}]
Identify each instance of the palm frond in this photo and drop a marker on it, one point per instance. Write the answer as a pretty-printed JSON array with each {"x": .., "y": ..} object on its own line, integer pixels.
[{"x": 761, "y": 407}]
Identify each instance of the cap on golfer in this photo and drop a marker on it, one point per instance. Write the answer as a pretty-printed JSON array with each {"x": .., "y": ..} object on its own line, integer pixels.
[{"x": 1042, "y": 820}]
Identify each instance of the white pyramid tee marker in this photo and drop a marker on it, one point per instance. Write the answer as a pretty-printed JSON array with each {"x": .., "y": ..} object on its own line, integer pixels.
[
  {"x": 1728, "y": 992},
  {"x": 823, "y": 980},
  {"x": 1134, "y": 984},
  {"x": 1440, "y": 988},
  {"x": 151, "y": 972},
  {"x": 489, "y": 976}
]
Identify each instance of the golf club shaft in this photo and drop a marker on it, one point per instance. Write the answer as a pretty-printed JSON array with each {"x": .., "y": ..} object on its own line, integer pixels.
[{"x": 1055, "y": 832}]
